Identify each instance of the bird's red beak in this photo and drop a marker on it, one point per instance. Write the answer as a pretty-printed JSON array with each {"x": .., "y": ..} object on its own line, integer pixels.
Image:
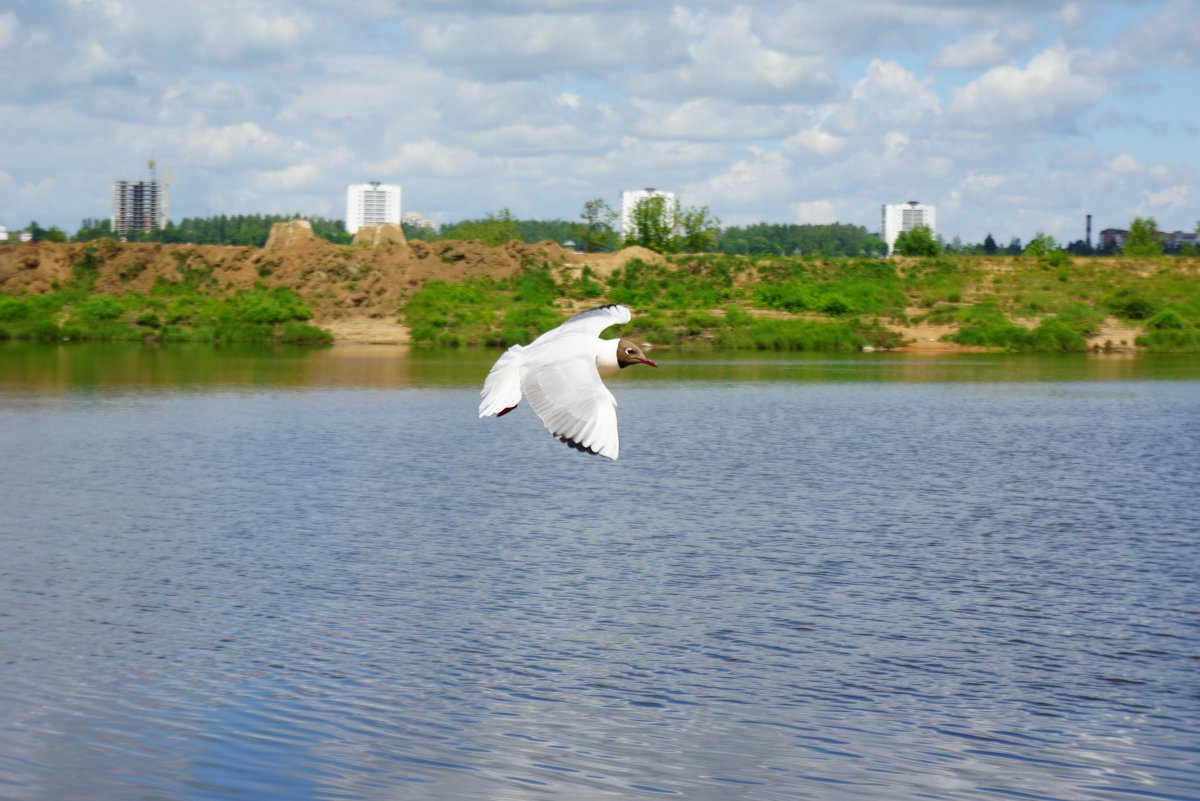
[{"x": 647, "y": 361}]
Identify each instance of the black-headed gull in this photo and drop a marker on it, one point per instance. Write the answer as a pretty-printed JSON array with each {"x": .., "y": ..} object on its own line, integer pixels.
[{"x": 560, "y": 373}]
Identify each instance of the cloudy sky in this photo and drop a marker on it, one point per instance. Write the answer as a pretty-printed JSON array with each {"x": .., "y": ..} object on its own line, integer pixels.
[{"x": 1011, "y": 116}]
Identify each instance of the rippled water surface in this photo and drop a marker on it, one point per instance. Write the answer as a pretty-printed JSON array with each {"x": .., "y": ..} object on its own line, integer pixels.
[{"x": 230, "y": 574}]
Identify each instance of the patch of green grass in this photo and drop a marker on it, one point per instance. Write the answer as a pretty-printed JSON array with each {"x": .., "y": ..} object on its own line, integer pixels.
[
  {"x": 174, "y": 313},
  {"x": 792, "y": 334},
  {"x": 454, "y": 314},
  {"x": 1170, "y": 340},
  {"x": 985, "y": 325},
  {"x": 835, "y": 288},
  {"x": 295, "y": 333},
  {"x": 694, "y": 283}
]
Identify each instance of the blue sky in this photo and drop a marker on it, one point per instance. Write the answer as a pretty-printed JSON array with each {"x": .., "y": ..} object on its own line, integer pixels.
[{"x": 1011, "y": 116}]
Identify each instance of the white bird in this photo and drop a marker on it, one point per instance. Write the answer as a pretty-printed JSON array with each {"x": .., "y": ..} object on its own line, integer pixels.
[{"x": 561, "y": 374}]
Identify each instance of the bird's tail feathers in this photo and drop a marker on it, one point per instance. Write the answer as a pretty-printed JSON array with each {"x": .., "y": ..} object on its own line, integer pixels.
[{"x": 502, "y": 387}]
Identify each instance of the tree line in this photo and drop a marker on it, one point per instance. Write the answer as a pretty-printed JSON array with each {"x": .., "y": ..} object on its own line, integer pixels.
[
  {"x": 656, "y": 223},
  {"x": 250, "y": 230}
]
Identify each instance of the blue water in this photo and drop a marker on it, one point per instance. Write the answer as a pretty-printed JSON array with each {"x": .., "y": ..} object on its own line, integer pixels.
[{"x": 814, "y": 580}]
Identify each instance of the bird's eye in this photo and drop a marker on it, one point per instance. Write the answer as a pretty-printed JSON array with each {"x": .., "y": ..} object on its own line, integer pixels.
[{"x": 629, "y": 351}]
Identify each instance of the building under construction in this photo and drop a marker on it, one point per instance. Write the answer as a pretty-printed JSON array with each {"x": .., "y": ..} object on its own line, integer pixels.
[{"x": 137, "y": 205}]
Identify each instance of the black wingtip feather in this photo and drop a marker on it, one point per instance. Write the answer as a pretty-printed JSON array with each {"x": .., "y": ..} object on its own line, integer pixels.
[{"x": 570, "y": 443}]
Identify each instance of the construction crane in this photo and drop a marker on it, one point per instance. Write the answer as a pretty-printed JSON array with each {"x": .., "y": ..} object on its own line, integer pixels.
[
  {"x": 150, "y": 215},
  {"x": 166, "y": 203}
]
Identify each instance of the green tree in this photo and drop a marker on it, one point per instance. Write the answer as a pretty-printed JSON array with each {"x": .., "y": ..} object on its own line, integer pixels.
[
  {"x": 91, "y": 229},
  {"x": 1041, "y": 245},
  {"x": 36, "y": 232},
  {"x": 1143, "y": 238},
  {"x": 494, "y": 229},
  {"x": 790, "y": 239},
  {"x": 423, "y": 232},
  {"x": 989, "y": 245},
  {"x": 651, "y": 224},
  {"x": 596, "y": 232},
  {"x": 917, "y": 241},
  {"x": 700, "y": 231}
]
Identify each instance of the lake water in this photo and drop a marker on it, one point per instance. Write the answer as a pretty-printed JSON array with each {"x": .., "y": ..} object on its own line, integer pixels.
[{"x": 317, "y": 575}]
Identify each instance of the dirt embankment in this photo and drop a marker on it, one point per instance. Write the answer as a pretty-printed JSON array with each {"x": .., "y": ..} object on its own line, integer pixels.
[{"x": 354, "y": 290}]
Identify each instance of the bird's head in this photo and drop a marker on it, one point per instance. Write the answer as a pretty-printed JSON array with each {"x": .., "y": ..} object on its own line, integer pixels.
[{"x": 628, "y": 353}]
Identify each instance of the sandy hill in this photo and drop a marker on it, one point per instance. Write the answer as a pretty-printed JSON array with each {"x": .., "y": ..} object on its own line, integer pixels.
[{"x": 354, "y": 290}]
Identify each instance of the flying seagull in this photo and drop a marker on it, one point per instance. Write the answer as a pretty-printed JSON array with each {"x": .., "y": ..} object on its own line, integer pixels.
[{"x": 560, "y": 373}]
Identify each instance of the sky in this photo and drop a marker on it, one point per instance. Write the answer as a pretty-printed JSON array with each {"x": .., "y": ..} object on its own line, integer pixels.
[{"x": 1012, "y": 117}]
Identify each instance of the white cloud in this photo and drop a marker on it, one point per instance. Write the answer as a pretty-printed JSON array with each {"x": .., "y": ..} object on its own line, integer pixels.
[
  {"x": 10, "y": 28},
  {"x": 240, "y": 145},
  {"x": 816, "y": 212},
  {"x": 1169, "y": 38},
  {"x": 428, "y": 158},
  {"x": 251, "y": 29},
  {"x": 1011, "y": 110},
  {"x": 727, "y": 59},
  {"x": 889, "y": 101},
  {"x": 295, "y": 176},
  {"x": 1177, "y": 196},
  {"x": 816, "y": 140},
  {"x": 710, "y": 119},
  {"x": 504, "y": 47},
  {"x": 983, "y": 49},
  {"x": 760, "y": 176},
  {"x": 1071, "y": 15},
  {"x": 1047, "y": 95}
]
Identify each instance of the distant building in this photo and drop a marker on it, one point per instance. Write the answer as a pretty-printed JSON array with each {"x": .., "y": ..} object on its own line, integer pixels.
[
  {"x": 899, "y": 217},
  {"x": 1115, "y": 238},
  {"x": 418, "y": 220},
  {"x": 1112, "y": 238},
  {"x": 371, "y": 204},
  {"x": 136, "y": 206},
  {"x": 1176, "y": 240},
  {"x": 631, "y": 197},
  {"x": 3, "y": 234}
]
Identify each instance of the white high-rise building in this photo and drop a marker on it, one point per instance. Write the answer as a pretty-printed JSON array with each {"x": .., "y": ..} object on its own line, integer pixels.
[
  {"x": 899, "y": 217},
  {"x": 371, "y": 204},
  {"x": 631, "y": 197}
]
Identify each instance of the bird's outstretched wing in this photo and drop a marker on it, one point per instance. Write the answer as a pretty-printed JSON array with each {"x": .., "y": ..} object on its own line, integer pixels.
[
  {"x": 589, "y": 323},
  {"x": 573, "y": 402},
  {"x": 502, "y": 387}
]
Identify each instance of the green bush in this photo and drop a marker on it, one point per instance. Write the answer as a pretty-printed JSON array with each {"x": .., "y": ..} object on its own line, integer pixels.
[
  {"x": 13, "y": 309},
  {"x": 304, "y": 334},
  {"x": 1170, "y": 340},
  {"x": 1083, "y": 320},
  {"x": 465, "y": 310},
  {"x": 100, "y": 308},
  {"x": 525, "y": 322},
  {"x": 1052, "y": 335},
  {"x": 791, "y": 335},
  {"x": 1167, "y": 319},
  {"x": 1129, "y": 304}
]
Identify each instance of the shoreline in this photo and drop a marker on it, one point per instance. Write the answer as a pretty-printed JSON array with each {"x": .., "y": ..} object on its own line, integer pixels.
[{"x": 366, "y": 331}]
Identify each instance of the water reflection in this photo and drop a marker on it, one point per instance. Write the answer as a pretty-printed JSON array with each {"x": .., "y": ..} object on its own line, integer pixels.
[{"x": 59, "y": 368}]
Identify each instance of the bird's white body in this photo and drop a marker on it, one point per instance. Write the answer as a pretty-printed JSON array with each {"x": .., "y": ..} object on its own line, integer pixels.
[{"x": 560, "y": 374}]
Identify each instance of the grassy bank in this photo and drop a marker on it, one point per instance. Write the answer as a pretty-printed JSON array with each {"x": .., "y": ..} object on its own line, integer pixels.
[
  {"x": 191, "y": 310},
  {"x": 728, "y": 302},
  {"x": 689, "y": 302},
  {"x": 109, "y": 291}
]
